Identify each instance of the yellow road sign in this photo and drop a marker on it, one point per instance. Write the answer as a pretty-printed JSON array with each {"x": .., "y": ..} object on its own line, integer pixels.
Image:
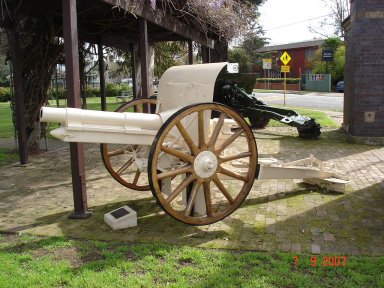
[
  {"x": 285, "y": 58},
  {"x": 285, "y": 68}
]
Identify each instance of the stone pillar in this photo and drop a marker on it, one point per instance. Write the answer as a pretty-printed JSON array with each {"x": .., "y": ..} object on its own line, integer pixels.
[{"x": 364, "y": 72}]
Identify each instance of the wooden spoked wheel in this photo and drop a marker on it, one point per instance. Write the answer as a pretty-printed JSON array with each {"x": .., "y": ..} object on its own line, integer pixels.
[
  {"x": 201, "y": 172},
  {"x": 119, "y": 159}
]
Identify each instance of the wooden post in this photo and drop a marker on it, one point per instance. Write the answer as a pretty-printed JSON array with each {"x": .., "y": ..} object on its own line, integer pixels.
[
  {"x": 206, "y": 54},
  {"x": 103, "y": 98},
  {"x": 71, "y": 51},
  {"x": 17, "y": 57},
  {"x": 143, "y": 46},
  {"x": 133, "y": 67},
  {"x": 190, "y": 52}
]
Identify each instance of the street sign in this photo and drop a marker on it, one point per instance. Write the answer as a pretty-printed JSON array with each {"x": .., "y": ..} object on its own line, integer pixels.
[
  {"x": 267, "y": 63},
  {"x": 327, "y": 55},
  {"x": 285, "y": 69},
  {"x": 285, "y": 58},
  {"x": 233, "y": 67}
]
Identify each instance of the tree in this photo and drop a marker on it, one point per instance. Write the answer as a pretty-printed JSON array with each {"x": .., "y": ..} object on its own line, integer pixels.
[
  {"x": 40, "y": 50},
  {"x": 339, "y": 10},
  {"x": 335, "y": 67},
  {"x": 246, "y": 54},
  {"x": 239, "y": 55},
  {"x": 252, "y": 42},
  {"x": 4, "y": 65},
  {"x": 168, "y": 54}
]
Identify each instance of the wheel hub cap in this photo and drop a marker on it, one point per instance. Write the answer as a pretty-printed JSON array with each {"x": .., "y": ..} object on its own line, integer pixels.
[{"x": 205, "y": 164}]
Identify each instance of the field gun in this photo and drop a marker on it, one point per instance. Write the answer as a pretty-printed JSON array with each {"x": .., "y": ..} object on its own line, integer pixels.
[
  {"x": 259, "y": 113},
  {"x": 200, "y": 168}
]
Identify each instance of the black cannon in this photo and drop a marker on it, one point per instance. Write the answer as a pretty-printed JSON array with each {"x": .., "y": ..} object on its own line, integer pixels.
[{"x": 259, "y": 113}]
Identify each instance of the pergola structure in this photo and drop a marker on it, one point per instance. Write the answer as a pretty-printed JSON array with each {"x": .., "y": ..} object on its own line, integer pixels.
[{"x": 112, "y": 23}]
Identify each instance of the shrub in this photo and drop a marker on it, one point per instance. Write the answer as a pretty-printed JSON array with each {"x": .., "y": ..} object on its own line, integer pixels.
[
  {"x": 61, "y": 93},
  {"x": 5, "y": 94},
  {"x": 112, "y": 90},
  {"x": 92, "y": 92},
  {"x": 5, "y": 82},
  {"x": 243, "y": 80},
  {"x": 279, "y": 80}
]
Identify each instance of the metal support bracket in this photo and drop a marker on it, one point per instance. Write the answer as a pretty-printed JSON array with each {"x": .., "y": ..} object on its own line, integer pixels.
[{"x": 311, "y": 170}]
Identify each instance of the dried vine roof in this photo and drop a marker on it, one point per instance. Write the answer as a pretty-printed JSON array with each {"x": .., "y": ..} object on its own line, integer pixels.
[{"x": 115, "y": 22}]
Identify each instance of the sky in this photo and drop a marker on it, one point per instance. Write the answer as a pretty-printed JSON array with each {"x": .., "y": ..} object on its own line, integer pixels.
[{"x": 287, "y": 21}]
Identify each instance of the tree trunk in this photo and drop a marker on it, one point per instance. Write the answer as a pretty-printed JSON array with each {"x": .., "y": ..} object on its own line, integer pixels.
[
  {"x": 34, "y": 138},
  {"x": 42, "y": 52},
  {"x": 220, "y": 53}
]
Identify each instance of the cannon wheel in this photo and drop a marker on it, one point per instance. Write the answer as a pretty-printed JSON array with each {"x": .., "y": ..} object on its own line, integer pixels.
[
  {"x": 118, "y": 158},
  {"x": 202, "y": 164}
]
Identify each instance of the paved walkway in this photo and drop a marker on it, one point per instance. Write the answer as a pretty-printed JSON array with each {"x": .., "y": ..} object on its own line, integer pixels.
[{"x": 284, "y": 215}]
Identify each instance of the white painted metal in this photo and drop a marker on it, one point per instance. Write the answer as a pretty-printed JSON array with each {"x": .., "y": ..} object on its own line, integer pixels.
[
  {"x": 311, "y": 170},
  {"x": 205, "y": 164},
  {"x": 180, "y": 86},
  {"x": 102, "y": 127},
  {"x": 77, "y": 118}
]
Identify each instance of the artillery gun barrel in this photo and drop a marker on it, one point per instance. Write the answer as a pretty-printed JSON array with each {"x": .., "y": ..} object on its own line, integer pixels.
[{"x": 90, "y": 126}]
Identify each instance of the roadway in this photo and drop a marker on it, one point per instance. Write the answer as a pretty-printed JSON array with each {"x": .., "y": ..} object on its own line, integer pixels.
[{"x": 331, "y": 101}]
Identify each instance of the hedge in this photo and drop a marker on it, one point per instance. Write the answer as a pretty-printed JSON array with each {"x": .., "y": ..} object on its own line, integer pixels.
[
  {"x": 5, "y": 94},
  {"x": 279, "y": 80},
  {"x": 5, "y": 83},
  {"x": 110, "y": 89}
]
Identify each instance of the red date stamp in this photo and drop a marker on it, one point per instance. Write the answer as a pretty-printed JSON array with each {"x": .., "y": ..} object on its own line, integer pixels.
[{"x": 325, "y": 261}]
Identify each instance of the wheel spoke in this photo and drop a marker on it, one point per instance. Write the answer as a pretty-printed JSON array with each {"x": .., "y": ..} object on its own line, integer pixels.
[
  {"x": 139, "y": 108},
  {"x": 192, "y": 197},
  {"x": 137, "y": 175},
  {"x": 224, "y": 171},
  {"x": 117, "y": 152},
  {"x": 229, "y": 140},
  {"x": 235, "y": 157},
  {"x": 187, "y": 139},
  {"x": 178, "y": 154},
  {"x": 207, "y": 197},
  {"x": 180, "y": 188},
  {"x": 216, "y": 131},
  {"x": 125, "y": 166},
  {"x": 125, "y": 152},
  {"x": 222, "y": 189},
  {"x": 201, "y": 131},
  {"x": 173, "y": 173}
]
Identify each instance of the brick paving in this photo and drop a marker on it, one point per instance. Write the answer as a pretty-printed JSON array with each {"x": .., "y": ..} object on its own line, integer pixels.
[{"x": 278, "y": 215}]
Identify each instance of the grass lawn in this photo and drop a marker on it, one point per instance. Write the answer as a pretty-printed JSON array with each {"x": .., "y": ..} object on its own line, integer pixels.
[
  {"x": 322, "y": 118},
  {"x": 30, "y": 261},
  {"x": 8, "y": 156},
  {"x": 6, "y": 126}
]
